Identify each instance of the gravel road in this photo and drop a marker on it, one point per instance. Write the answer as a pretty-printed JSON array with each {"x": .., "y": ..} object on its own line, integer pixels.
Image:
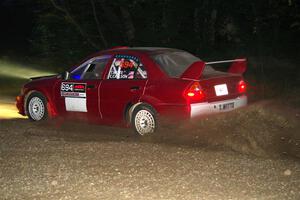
[{"x": 80, "y": 161}]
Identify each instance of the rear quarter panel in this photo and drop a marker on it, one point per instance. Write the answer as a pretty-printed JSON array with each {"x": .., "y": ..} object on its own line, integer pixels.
[{"x": 166, "y": 96}]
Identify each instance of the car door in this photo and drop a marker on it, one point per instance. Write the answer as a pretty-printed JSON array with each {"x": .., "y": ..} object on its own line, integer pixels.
[
  {"x": 79, "y": 95},
  {"x": 124, "y": 85}
]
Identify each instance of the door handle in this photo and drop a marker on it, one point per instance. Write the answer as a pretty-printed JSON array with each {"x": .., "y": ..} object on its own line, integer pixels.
[
  {"x": 90, "y": 86},
  {"x": 134, "y": 88}
]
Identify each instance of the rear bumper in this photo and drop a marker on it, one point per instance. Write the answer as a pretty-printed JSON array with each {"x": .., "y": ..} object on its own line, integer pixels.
[{"x": 199, "y": 109}]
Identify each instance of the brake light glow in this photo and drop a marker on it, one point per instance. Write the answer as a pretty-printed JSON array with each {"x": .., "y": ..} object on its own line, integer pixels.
[
  {"x": 242, "y": 87},
  {"x": 194, "y": 93}
]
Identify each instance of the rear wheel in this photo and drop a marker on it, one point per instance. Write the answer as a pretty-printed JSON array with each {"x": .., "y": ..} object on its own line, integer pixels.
[
  {"x": 144, "y": 120},
  {"x": 36, "y": 107}
]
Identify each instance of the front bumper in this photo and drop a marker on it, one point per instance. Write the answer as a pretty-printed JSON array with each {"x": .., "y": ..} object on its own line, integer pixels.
[
  {"x": 20, "y": 104},
  {"x": 199, "y": 109}
]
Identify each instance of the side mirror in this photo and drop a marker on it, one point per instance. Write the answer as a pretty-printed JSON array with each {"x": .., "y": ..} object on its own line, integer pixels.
[{"x": 65, "y": 75}]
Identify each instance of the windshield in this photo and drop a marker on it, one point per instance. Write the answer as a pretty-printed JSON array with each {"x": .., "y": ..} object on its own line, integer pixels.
[{"x": 175, "y": 63}]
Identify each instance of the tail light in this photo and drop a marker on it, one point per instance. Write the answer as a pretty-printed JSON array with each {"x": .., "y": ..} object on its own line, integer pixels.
[
  {"x": 194, "y": 93},
  {"x": 241, "y": 87}
]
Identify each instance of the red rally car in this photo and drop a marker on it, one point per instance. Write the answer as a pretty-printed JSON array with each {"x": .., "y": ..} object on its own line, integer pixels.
[{"x": 136, "y": 86}]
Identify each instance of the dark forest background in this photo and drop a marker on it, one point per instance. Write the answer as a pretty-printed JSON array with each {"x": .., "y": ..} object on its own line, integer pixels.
[{"x": 60, "y": 33}]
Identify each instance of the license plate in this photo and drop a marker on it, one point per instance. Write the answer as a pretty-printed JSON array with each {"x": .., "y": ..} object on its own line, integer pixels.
[
  {"x": 226, "y": 106},
  {"x": 221, "y": 90}
]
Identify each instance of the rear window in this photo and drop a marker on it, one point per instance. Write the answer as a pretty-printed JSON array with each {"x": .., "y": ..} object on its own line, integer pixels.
[{"x": 175, "y": 63}]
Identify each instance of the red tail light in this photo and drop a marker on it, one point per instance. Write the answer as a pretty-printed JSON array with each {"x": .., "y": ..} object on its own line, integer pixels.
[
  {"x": 242, "y": 87},
  {"x": 194, "y": 93}
]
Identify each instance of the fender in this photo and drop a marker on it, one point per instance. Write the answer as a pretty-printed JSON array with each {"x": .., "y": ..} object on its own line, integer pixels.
[
  {"x": 153, "y": 102},
  {"x": 52, "y": 111},
  {"x": 131, "y": 109}
]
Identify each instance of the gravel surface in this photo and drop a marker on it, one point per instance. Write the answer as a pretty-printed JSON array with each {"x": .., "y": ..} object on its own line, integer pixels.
[{"x": 79, "y": 161}]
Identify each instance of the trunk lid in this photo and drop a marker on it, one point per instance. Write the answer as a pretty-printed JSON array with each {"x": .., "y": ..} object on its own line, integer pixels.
[
  {"x": 217, "y": 85},
  {"x": 220, "y": 86}
]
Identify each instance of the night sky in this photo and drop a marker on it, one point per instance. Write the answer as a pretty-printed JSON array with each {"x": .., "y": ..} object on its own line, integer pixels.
[
  {"x": 19, "y": 17},
  {"x": 16, "y": 19}
]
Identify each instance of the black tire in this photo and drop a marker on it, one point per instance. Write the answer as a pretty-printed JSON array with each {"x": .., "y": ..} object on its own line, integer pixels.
[
  {"x": 144, "y": 120},
  {"x": 36, "y": 107}
]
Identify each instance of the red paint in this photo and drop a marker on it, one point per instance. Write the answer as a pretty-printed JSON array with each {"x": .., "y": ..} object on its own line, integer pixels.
[
  {"x": 238, "y": 67},
  {"x": 79, "y": 86},
  {"x": 20, "y": 104},
  {"x": 126, "y": 64},
  {"x": 194, "y": 71},
  {"x": 194, "y": 93},
  {"x": 242, "y": 86},
  {"x": 118, "y": 47},
  {"x": 108, "y": 100}
]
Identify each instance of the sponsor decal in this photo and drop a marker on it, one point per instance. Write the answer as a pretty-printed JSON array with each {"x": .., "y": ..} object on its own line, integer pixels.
[
  {"x": 127, "y": 64},
  {"x": 127, "y": 57},
  {"x": 73, "y": 90},
  {"x": 75, "y": 104},
  {"x": 79, "y": 87},
  {"x": 126, "y": 67}
]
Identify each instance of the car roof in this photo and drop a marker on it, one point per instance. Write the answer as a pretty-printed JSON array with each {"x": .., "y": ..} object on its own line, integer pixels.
[
  {"x": 124, "y": 49},
  {"x": 148, "y": 50}
]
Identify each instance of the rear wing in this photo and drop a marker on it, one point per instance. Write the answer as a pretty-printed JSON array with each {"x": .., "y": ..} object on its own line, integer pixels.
[
  {"x": 194, "y": 71},
  {"x": 238, "y": 66}
]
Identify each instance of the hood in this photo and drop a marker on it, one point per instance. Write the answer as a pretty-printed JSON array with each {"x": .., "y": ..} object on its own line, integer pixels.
[{"x": 42, "y": 77}]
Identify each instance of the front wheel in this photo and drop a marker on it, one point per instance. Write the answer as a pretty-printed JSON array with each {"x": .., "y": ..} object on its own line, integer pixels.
[
  {"x": 36, "y": 107},
  {"x": 144, "y": 120}
]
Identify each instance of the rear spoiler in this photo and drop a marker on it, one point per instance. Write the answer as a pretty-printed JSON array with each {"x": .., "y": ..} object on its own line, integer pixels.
[
  {"x": 238, "y": 66},
  {"x": 194, "y": 71}
]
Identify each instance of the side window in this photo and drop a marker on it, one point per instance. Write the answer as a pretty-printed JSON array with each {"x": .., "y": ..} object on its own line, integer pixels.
[
  {"x": 77, "y": 73},
  {"x": 126, "y": 67},
  {"x": 95, "y": 69},
  {"x": 92, "y": 69}
]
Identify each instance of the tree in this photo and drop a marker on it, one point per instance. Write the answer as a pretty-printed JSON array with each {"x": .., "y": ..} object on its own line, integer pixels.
[{"x": 208, "y": 27}]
